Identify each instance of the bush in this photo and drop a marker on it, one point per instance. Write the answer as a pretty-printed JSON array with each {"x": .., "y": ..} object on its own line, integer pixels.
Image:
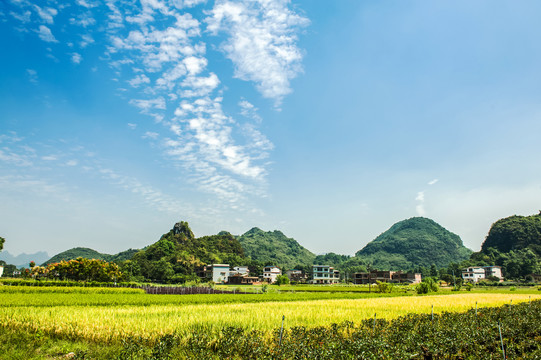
[
  {"x": 282, "y": 280},
  {"x": 428, "y": 285},
  {"x": 384, "y": 287}
]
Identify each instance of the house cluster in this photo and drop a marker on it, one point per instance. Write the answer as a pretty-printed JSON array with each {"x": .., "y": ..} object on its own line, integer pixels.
[
  {"x": 476, "y": 273},
  {"x": 240, "y": 275},
  {"x": 374, "y": 276}
]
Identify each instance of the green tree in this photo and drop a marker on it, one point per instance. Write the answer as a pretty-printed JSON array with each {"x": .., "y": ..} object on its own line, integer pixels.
[
  {"x": 428, "y": 285},
  {"x": 2, "y": 241},
  {"x": 282, "y": 280}
]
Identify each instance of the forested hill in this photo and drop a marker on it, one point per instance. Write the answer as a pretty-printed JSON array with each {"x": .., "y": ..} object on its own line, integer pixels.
[
  {"x": 515, "y": 233},
  {"x": 274, "y": 248},
  {"x": 178, "y": 253},
  {"x": 414, "y": 242},
  {"x": 88, "y": 253}
]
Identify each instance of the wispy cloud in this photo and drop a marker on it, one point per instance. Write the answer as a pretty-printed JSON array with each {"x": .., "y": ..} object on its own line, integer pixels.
[
  {"x": 432, "y": 182},
  {"x": 150, "y": 135},
  {"x": 45, "y": 34},
  {"x": 32, "y": 75},
  {"x": 76, "y": 58},
  {"x": 261, "y": 43},
  {"x": 46, "y": 14},
  {"x": 159, "y": 49},
  {"x": 150, "y": 195}
]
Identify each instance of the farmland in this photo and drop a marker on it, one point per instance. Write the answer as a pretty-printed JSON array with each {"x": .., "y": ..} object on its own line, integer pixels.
[{"x": 113, "y": 316}]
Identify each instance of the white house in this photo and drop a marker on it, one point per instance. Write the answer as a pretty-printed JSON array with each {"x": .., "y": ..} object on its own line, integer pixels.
[
  {"x": 476, "y": 273},
  {"x": 493, "y": 271},
  {"x": 218, "y": 273},
  {"x": 270, "y": 273},
  {"x": 473, "y": 274},
  {"x": 1, "y": 270},
  {"x": 325, "y": 274}
]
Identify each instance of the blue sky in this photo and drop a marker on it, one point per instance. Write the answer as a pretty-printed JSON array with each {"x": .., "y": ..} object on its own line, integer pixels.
[{"x": 328, "y": 120}]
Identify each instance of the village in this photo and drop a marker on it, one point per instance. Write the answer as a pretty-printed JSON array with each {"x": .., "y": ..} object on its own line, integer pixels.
[{"x": 325, "y": 274}]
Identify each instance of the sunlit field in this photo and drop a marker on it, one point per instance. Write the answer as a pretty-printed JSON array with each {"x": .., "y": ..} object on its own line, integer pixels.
[{"x": 113, "y": 316}]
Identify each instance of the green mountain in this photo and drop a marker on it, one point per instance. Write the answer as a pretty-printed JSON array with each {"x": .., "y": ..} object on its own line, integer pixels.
[
  {"x": 178, "y": 253},
  {"x": 90, "y": 254},
  {"x": 414, "y": 242},
  {"x": 515, "y": 233},
  {"x": 274, "y": 248}
]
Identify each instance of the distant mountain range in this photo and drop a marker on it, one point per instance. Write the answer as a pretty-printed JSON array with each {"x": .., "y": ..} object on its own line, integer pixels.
[
  {"x": 408, "y": 244},
  {"x": 22, "y": 260}
]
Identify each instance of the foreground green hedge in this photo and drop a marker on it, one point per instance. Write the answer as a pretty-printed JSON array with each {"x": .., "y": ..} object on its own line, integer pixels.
[{"x": 446, "y": 336}]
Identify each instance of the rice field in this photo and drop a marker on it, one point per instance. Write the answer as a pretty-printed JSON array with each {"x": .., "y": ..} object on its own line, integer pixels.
[{"x": 152, "y": 317}]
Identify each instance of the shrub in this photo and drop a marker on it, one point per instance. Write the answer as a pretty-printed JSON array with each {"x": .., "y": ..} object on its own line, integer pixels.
[
  {"x": 384, "y": 287},
  {"x": 426, "y": 286}
]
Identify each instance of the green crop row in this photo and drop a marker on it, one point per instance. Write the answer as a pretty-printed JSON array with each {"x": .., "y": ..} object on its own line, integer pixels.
[{"x": 18, "y": 296}]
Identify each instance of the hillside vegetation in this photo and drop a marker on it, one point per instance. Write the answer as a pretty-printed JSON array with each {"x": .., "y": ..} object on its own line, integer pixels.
[
  {"x": 88, "y": 253},
  {"x": 178, "y": 253},
  {"x": 514, "y": 243},
  {"x": 274, "y": 248},
  {"x": 515, "y": 233},
  {"x": 412, "y": 243}
]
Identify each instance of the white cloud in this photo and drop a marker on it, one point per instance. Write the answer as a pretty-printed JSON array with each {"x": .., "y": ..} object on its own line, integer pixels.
[
  {"x": 46, "y": 14},
  {"x": 9, "y": 156},
  {"x": 138, "y": 80},
  {"x": 72, "y": 163},
  {"x": 262, "y": 42},
  {"x": 199, "y": 86},
  {"x": 85, "y": 20},
  {"x": 86, "y": 40},
  {"x": 195, "y": 65},
  {"x": 86, "y": 4},
  {"x": 132, "y": 126},
  {"x": 432, "y": 182},
  {"x": 180, "y": 4},
  {"x": 76, "y": 58},
  {"x": 49, "y": 158},
  {"x": 45, "y": 34},
  {"x": 147, "y": 105},
  {"x": 150, "y": 135},
  {"x": 32, "y": 75},
  {"x": 250, "y": 111},
  {"x": 150, "y": 195},
  {"x": 24, "y": 17},
  {"x": 170, "y": 77}
]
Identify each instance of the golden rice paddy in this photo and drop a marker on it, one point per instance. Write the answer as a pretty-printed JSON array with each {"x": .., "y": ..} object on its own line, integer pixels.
[{"x": 110, "y": 323}]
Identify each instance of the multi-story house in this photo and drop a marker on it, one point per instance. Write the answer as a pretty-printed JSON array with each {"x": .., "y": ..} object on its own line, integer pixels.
[
  {"x": 270, "y": 273},
  {"x": 325, "y": 274},
  {"x": 476, "y": 273},
  {"x": 296, "y": 275},
  {"x": 473, "y": 273},
  {"x": 218, "y": 273}
]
